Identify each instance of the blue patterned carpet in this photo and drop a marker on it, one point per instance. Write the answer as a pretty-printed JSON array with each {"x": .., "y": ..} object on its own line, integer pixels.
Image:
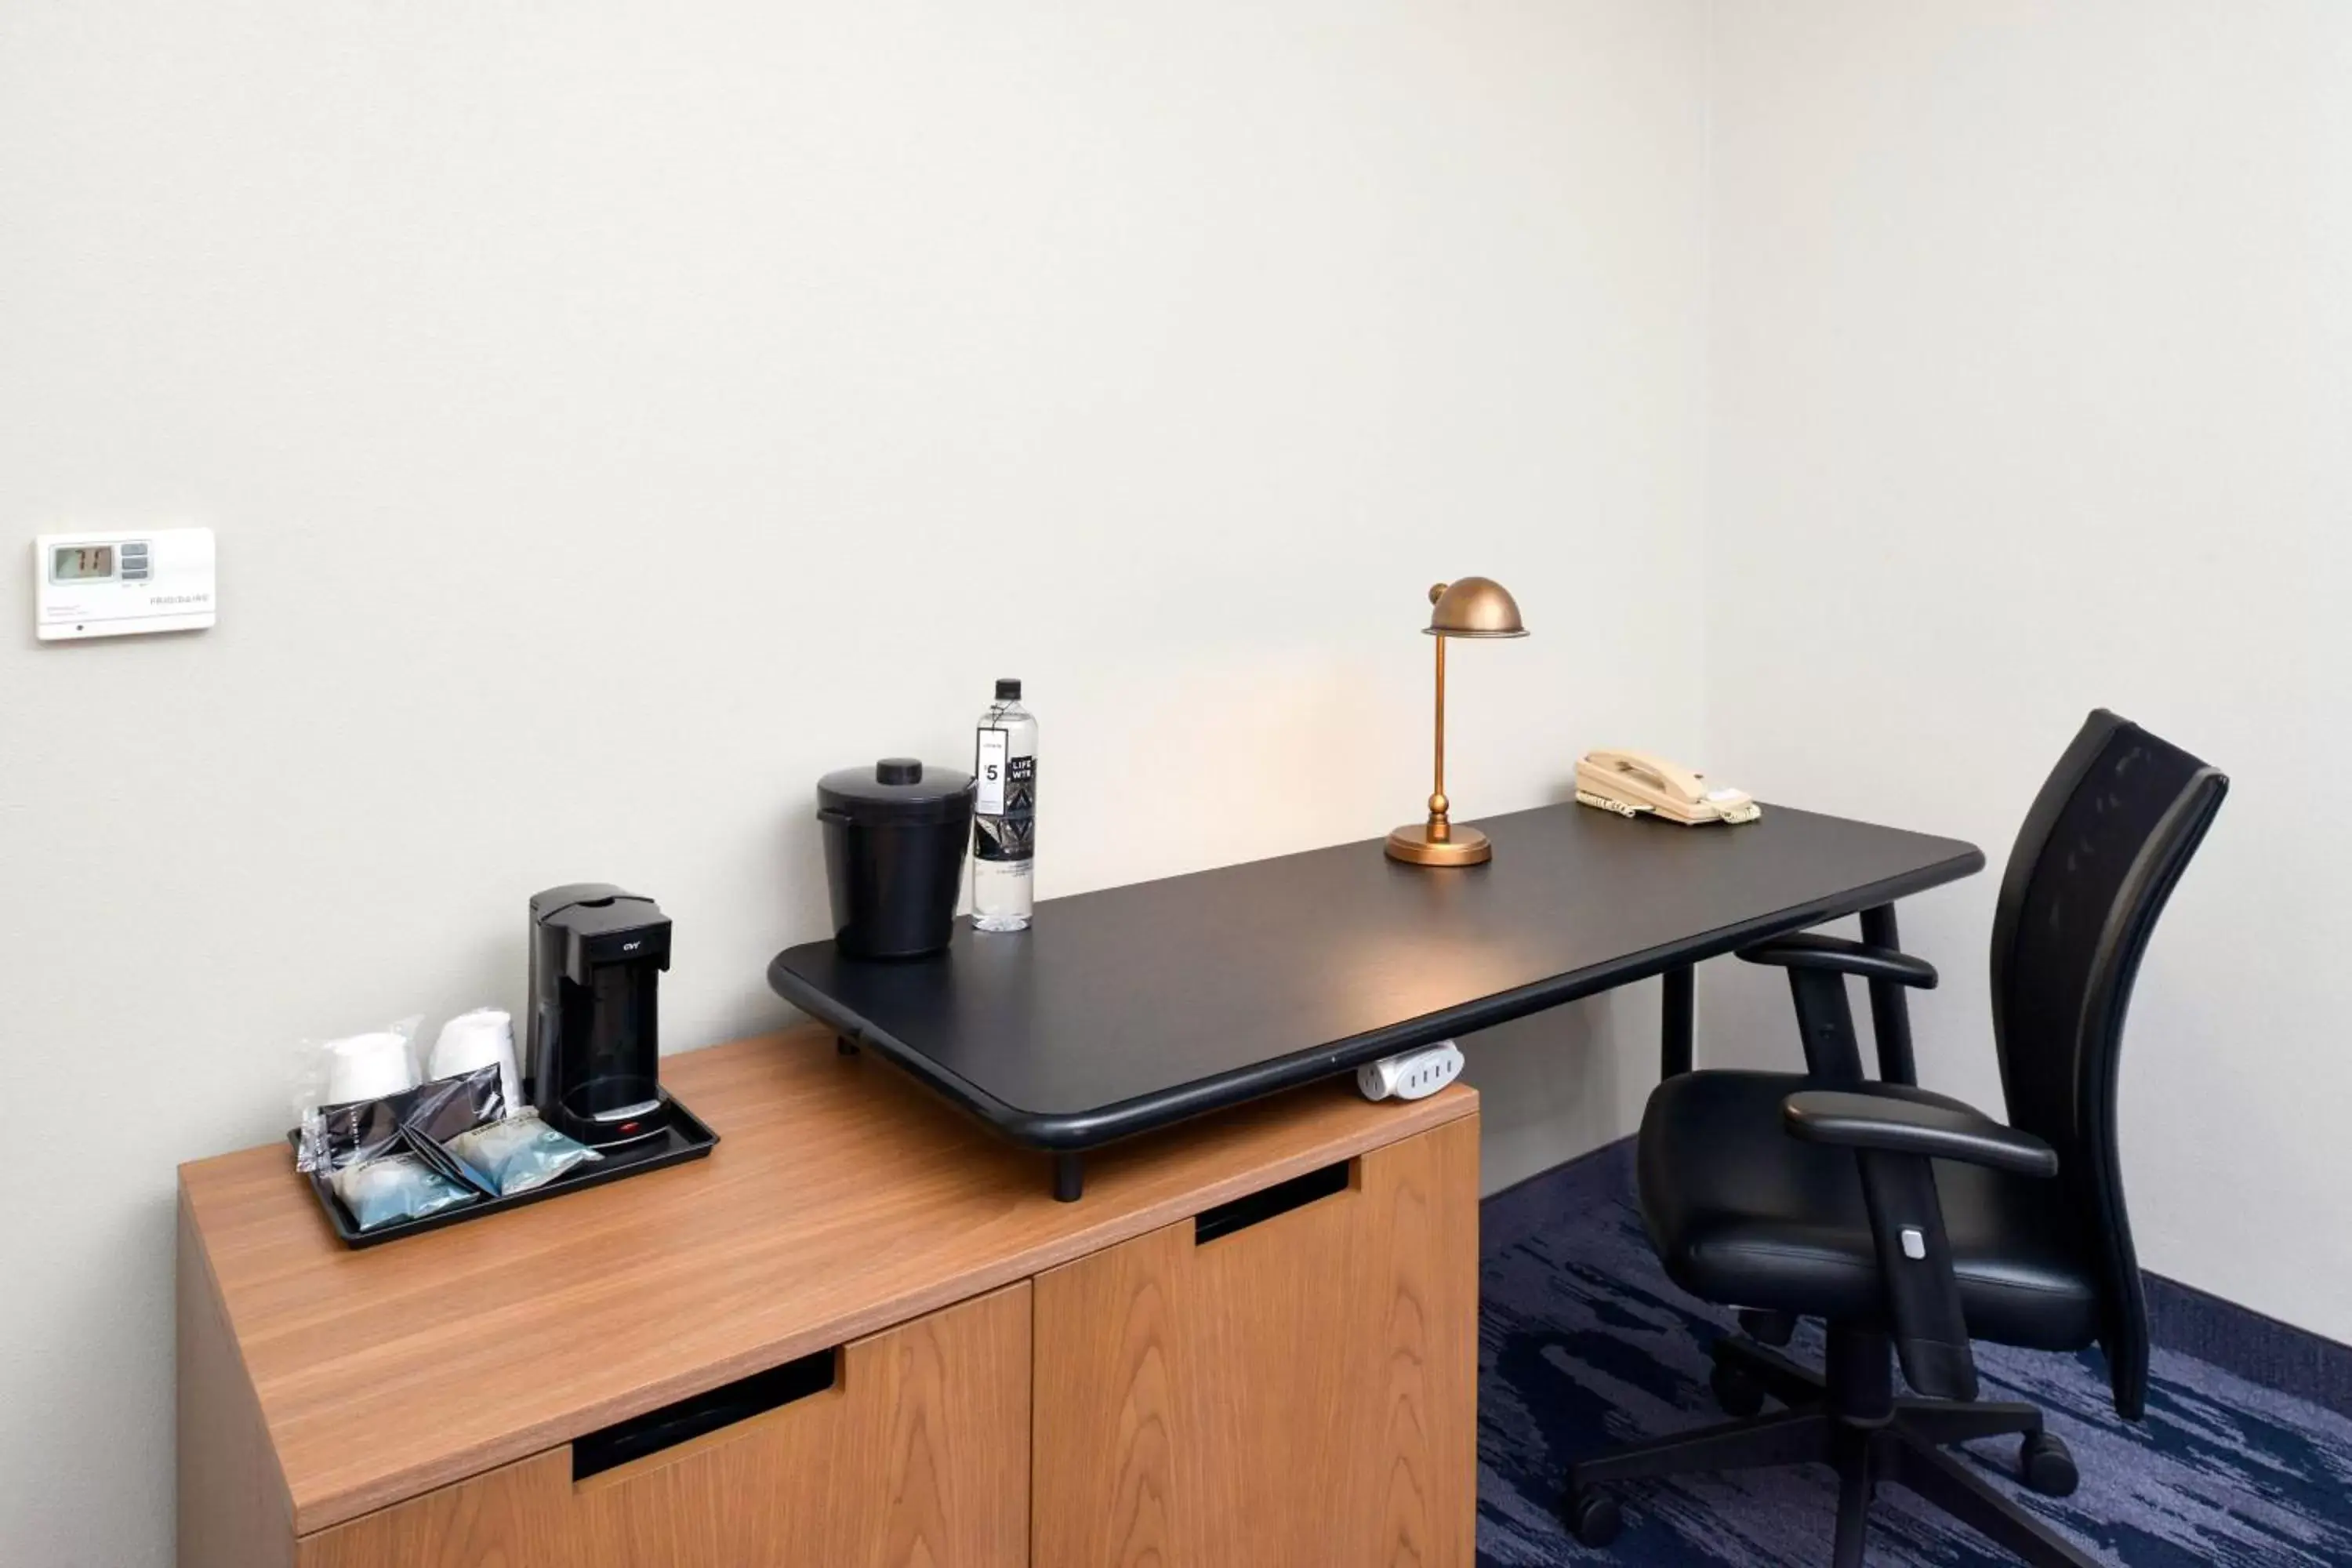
[{"x": 1584, "y": 1344}]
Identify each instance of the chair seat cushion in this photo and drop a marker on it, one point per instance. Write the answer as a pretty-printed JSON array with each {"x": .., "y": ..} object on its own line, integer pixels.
[{"x": 1744, "y": 1215}]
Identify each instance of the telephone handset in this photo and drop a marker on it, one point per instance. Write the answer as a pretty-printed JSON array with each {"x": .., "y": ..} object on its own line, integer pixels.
[{"x": 1633, "y": 782}]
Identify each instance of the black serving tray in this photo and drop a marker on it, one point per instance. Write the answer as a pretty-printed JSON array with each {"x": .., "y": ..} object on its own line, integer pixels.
[{"x": 684, "y": 1137}]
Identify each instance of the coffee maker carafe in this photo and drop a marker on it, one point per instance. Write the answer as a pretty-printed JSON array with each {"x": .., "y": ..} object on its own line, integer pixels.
[{"x": 594, "y": 1059}]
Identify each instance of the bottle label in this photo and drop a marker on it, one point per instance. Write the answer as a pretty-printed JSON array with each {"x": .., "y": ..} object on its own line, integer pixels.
[
  {"x": 1004, "y": 820},
  {"x": 993, "y": 743},
  {"x": 1021, "y": 789}
]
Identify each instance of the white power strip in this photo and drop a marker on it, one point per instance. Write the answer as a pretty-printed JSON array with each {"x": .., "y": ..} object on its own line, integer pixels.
[{"x": 1411, "y": 1075}]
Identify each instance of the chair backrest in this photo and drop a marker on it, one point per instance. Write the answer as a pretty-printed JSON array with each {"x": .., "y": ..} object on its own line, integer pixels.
[{"x": 2107, "y": 837}]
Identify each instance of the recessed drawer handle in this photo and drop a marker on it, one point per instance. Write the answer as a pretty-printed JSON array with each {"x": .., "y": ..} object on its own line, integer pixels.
[
  {"x": 1268, "y": 1202},
  {"x": 687, "y": 1419}
]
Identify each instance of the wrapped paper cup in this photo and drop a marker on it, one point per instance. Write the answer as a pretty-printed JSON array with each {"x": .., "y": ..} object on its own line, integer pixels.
[
  {"x": 478, "y": 1039},
  {"x": 368, "y": 1067}
]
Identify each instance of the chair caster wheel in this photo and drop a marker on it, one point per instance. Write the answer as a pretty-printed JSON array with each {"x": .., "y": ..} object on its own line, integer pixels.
[
  {"x": 1739, "y": 1394},
  {"x": 2047, "y": 1466},
  {"x": 1766, "y": 1326},
  {"x": 1592, "y": 1517}
]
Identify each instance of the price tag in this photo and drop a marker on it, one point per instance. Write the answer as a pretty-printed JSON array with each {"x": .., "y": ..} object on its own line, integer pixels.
[{"x": 992, "y": 769}]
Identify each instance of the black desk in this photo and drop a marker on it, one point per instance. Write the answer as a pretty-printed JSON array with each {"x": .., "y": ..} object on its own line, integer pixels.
[{"x": 1126, "y": 1009}]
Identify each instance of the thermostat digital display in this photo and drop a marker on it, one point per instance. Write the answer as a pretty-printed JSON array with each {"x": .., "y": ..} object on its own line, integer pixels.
[{"x": 79, "y": 563}]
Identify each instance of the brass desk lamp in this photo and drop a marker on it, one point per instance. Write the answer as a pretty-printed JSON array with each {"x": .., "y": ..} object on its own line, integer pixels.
[{"x": 1472, "y": 607}]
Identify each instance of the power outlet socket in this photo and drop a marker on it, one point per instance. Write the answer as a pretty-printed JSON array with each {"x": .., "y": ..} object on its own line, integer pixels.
[{"x": 1411, "y": 1075}]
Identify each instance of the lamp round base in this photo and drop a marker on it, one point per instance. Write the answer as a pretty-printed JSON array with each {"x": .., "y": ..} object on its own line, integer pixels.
[{"x": 1461, "y": 847}]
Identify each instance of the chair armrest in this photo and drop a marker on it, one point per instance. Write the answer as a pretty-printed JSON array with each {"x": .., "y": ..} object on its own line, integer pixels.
[
  {"x": 1892, "y": 1141},
  {"x": 1892, "y": 1126},
  {"x": 1810, "y": 950}
]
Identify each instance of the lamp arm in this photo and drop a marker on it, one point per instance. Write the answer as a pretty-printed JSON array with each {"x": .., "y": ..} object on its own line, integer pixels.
[{"x": 1438, "y": 801}]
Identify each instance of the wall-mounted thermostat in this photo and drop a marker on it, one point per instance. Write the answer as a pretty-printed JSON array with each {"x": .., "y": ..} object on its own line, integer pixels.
[{"x": 123, "y": 583}]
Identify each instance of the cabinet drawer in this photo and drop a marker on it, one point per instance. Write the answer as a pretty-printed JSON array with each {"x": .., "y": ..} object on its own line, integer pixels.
[
  {"x": 918, "y": 1455},
  {"x": 915, "y": 1454},
  {"x": 1288, "y": 1382},
  {"x": 516, "y": 1517}
]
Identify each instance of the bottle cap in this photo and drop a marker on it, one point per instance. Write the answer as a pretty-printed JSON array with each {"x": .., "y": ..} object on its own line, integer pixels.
[{"x": 1008, "y": 692}]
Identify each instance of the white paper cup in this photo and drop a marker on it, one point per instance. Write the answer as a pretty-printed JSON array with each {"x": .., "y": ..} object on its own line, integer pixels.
[
  {"x": 478, "y": 1039},
  {"x": 368, "y": 1067}
]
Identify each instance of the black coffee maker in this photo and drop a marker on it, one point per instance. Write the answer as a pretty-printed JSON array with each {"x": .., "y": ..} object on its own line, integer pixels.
[{"x": 594, "y": 1060}]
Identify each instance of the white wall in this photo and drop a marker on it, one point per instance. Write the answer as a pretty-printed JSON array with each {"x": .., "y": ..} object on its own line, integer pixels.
[
  {"x": 2031, "y": 385},
  {"x": 615, "y": 415}
]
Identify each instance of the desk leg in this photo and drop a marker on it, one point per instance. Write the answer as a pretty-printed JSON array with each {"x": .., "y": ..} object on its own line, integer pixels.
[
  {"x": 1070, "y": 1177},
  {"x": 1677, "y": 1027},
  {"x": 1890, "y": 1014}
]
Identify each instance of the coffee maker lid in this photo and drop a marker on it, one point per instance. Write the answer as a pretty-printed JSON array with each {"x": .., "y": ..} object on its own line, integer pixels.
[
  {"x": 603, "y": 925},
  {"x": 897, "y": 790},
  {"x": 553, "y": 902}
]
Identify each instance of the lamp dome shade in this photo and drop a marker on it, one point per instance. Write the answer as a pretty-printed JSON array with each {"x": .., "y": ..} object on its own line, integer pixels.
[{"x": 1475, "y": 607}]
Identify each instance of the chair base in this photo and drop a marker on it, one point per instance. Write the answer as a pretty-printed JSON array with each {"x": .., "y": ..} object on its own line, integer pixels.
[{"x": 1852, "y": 1422}]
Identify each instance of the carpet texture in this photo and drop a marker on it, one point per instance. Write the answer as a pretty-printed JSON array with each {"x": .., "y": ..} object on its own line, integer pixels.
[{"x": 1584, "y": 1343}]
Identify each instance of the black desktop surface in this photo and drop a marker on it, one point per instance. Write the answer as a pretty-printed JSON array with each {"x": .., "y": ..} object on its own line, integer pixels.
[{"x": 1126, "y": 1009}]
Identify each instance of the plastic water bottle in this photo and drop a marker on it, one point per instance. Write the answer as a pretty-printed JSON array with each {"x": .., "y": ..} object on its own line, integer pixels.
[{"x": 1004, "y": 821}]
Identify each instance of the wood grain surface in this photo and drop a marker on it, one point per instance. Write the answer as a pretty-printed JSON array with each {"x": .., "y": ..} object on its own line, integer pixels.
[
  {"x": 234, "y": 1511},
  {"x": 519, "y": 1516},
  {"x": 1301, "y": 1393},
  {"x": 918, "y": 1458},
  {"x": 843, "y": 1200}
]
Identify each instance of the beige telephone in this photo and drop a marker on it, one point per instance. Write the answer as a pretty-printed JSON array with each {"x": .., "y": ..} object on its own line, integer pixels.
[{"x": 1632, "y": 783}]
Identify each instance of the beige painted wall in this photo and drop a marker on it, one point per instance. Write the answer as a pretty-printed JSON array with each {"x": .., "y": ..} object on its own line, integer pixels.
[
  {"x": 615, "y": 415},
  {"x": 2031, "y": 378}
]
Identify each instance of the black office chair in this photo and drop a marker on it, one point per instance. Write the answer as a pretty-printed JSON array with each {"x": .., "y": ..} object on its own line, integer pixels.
[{"x": 1909, "y": 1220}]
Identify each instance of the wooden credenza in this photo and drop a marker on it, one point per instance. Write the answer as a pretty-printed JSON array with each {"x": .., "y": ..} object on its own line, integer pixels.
[{"x": 862, "y": 1332}]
